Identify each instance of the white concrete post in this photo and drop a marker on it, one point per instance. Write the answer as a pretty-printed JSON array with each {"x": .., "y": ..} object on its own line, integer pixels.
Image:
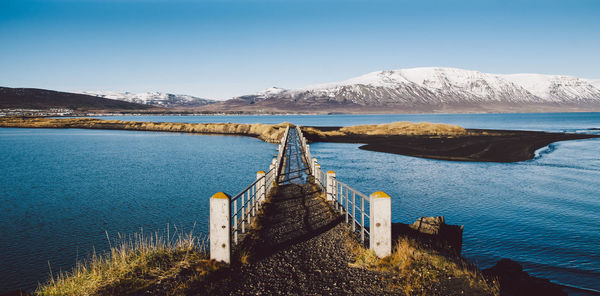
[
  {"x": 381, "y": 224},
  {"x": 331, "y": 186},
  {"x": 318, "y": 173},
  {"x": 274, "y": 163},
  {"x": 220, "y": 224},
  {"x": 262, "y": 185},
  {"x": 314, "y": 162},
  {"x": 274, "y": 179}
]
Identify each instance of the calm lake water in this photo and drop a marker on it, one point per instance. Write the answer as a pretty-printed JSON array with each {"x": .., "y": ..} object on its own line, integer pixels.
[{"x": 62, "y": 191}]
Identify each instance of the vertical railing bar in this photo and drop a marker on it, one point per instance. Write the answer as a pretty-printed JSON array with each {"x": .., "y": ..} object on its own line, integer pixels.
[
  {"x": 353, "y": 211},
  {"x": 253, "y": 190},
  {"x": 235, "y": 224},
  {"x": 249, "y": 203},
  {"x": 243, "y": 213},
  {"x": 246, "y": 214},
  {"x": 347, "y": 207},
  {"x": 362, "y": 219},
  {"x": 337, "y": 196},
  {"x": 341, "y": 202}
]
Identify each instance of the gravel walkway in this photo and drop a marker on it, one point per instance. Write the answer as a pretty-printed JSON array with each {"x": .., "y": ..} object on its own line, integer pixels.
[
  {"x": 300, "y": 249},
  {"x": 299, "y": 246}
]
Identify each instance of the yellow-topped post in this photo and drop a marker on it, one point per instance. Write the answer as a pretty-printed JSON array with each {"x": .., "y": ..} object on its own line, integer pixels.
[
  {"x": 220, "y": 227},
  {"x": 380, "y": 239}
]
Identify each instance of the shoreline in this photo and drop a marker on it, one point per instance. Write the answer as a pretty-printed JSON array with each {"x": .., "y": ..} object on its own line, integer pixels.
[
  {"x": 425, "y": 140},
  {"x": 477, "y": 145},
  {"x": 269, "y": 133}
]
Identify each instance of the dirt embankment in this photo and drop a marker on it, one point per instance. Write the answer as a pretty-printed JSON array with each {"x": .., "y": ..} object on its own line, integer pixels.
[
  {"x": 440, "y": 141},
  {"x": 266, "y": 132}
]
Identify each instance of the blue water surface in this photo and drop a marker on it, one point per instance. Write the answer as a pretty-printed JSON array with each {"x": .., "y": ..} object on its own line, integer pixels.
[{"x": 61, "y": 191}]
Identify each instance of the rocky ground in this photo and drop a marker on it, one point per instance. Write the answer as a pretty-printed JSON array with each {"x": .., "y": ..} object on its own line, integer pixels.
[{"x": 301, "y": 248}]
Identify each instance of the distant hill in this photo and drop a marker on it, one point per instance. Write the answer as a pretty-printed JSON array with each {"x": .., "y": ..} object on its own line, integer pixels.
[
  {"x": 420, "y": 90},
  {"x": 33, "y": 98},
  {"x": 157, "y": 99}
]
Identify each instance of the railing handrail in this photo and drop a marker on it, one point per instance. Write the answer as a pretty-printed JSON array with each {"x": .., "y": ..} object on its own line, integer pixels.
[
  {"x": 250, "y": 202},
  {"x": 252, "y": 197},
  {"x": 322, "y": 181},
  {"x": 282, "y": 149},
  {"x": 366, "y": 197},
  {"x": 250, "y": 186}
]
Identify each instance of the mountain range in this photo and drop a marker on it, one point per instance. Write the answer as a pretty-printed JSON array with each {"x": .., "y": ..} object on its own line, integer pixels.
[
  {"x": 415, "y": 90},
  {"x": 157, "y": 99},
  {"x": 43, "y": 99},
  {"x": 432, "y": 89}
]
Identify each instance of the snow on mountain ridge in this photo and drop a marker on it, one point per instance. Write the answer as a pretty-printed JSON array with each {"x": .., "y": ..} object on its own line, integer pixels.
[
  {"x": 153, "y": 98},
  {"x": 271, "y": 91},
  {"x": 594, "y": 82},
  {"x": 448, "y": 85}
]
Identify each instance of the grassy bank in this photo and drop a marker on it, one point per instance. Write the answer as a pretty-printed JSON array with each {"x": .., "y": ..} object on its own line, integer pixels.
[
  {"x": 160, "y": 264},
  {"x": 422, "y": 271},
  {"x": 404, "y": 128},
  {"x": 266, "y": 132},
  {"x": 139, "y": 264}
]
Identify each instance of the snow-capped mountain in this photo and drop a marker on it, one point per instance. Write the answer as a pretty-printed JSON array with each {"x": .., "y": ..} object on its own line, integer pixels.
[
  {"x": 153, "y": 98},
  {"x": 437, "y": 90}
]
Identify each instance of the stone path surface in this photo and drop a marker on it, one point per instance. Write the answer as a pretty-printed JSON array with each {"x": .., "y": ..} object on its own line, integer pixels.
[{"x": 300, "y": 247}]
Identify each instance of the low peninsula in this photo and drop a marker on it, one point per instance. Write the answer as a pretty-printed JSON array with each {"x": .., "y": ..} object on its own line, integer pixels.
[
  {"x": 426, "y": 140},
  {"x": 442, "y": 141}
]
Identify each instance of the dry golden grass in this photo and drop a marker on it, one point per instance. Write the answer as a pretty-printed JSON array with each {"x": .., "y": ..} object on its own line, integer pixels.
[
  {"x": 394, "y": 128},
  {"x": 425, "y": 272},
  {"x": 405, "y": 128},
  {"x": 244, "y": 257},
  {"x": 266, "y": 132},
  {"x": 138, "y": 264}
]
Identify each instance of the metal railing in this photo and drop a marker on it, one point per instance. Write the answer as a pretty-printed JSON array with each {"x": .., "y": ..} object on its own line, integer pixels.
[
  {"x": 345, "y": 199},
  {"x": 231, "y": 216},
  {"x": 351, "y": 203},
  {"x": 305, "y": 148},
  {"x": 281, "y": 149},
  {"x": 245, "y": 205}
]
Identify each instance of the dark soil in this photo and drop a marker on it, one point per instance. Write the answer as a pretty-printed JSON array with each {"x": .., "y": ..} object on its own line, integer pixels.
[{"x": 477, "y": 145}]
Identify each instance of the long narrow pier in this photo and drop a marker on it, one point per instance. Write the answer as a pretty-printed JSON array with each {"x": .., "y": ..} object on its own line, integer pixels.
[{"x": 289, "y": 231}]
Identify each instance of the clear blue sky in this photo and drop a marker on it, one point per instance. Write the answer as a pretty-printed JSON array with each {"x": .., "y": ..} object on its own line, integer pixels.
[{"x": 220, "y": 49}]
